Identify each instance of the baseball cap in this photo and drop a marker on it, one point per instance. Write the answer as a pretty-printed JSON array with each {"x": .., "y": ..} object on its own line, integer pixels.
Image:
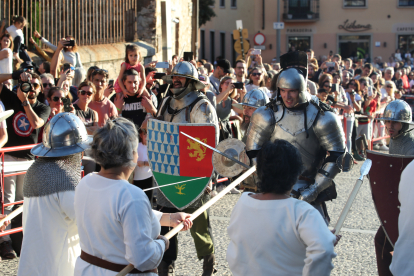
[
  {"x": 225, "y": 65},
  {"x": 204, "y": 79}
]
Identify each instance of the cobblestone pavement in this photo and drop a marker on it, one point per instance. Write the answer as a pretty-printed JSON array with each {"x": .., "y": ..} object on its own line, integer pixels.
[{"x": 356, "y": 254}]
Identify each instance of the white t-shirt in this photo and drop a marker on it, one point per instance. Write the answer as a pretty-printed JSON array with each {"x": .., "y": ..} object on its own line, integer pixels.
[
  {"x": 144, "y": 172},
  {"x": 285, "y": 237},
  {"x": 6, "y": 64},
  {"x": 402, "y": 261},
  {"x": 116, "y": 223},
  {"x": 14, "y": 32}
]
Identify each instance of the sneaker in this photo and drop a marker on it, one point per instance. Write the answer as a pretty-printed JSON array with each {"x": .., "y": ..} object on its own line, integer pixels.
[
  {"x": 383, "y": 147},
  {"x": 234, "y": 191},
  {"x": 6, "y": 250},
  {"x": 376, "y": 147}
]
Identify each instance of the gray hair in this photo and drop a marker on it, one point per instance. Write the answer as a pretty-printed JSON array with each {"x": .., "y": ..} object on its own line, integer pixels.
[
  {"x": 48, "y": 76},
  {"x": 389, "y": 69},
  {"x": 114, "y": 144}
]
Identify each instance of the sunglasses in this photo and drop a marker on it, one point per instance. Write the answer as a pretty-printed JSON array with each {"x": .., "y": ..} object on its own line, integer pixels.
[
  {"x": 327, "y": 86},
  {"x": 47, "y": 84},
  {"x": 56, "y": 99},
  {"x": 256, "y": 74},
  {"x": 389, "y": 86},
  {"x": 362, "y": 83},
  {"x": 83, "y": 93}
]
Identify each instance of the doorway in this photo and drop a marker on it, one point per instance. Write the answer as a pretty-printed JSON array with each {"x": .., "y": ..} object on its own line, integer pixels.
[{"x": 354, "y": 46}]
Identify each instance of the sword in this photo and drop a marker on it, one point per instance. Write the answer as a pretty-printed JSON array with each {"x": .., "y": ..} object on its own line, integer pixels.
[
  {"x": 364, "y": 171},
  {"x": 216, "y": 150}
]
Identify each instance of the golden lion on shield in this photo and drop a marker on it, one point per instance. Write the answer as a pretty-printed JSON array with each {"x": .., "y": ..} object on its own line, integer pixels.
[{"x": 199, "y": 150}]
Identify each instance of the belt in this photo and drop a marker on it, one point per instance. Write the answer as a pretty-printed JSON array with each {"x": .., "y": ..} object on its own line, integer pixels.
[{"x": 108, "y": 265}]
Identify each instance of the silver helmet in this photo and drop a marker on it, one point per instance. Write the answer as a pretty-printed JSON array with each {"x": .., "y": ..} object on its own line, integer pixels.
[
  {"x": 254, "y": 98},
  {"x": 63, "y": 135},
  {"x": 291, "y": 78},
  {"x": 398, "y": 111},
  {"x": 187, "y": 70}
]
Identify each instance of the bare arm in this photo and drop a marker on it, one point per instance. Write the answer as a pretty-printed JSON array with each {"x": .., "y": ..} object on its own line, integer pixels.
[
  {"x": 4, "y": 54},
  {"x": 143, "y": 78},
  {"x": 40, "y": 50},
  {"x": 3, "y": 137},
  {"x": 224, "y": 94},
  {"x": 4, "y": 77},
  {"x": 120, "y": 82},
  {"x": 55, "y": 63}
]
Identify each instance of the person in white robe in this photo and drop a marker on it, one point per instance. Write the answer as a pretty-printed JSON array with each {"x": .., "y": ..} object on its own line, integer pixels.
[
  {"x": 402, "y": 261},
  {"x": 115, "y": 222},
  {"x": 272, "y": 233}
]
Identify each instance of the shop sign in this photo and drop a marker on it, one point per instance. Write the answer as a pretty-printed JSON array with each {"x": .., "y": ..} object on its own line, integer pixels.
[
  {"x": 403, "y": 28},
  {"x": 301, "y": 30},
  {"x": 354, "y": 26}
]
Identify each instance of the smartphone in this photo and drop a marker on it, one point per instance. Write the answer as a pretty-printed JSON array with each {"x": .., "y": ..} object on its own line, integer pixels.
[
  {"x": 71, "y": 43},
  {"x": 331, "y": 53},
  {"x": 238, "y": 85},
  {"x": 256, "y": 52},
  {"x": 162, "y": 64},
  {"x": 158, "y": 75},
  {"x": 66, "y": 105},
  {"x": 188, "y": 56},
  {"x": 66, "y": 66},
  {"x": 335, "y": 87},
  {"x": 111, "y": 83},
  {"x": 330, "y": 64}
]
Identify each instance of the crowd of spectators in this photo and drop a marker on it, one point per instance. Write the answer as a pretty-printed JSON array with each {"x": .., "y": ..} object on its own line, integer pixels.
[{"x": 61, "y": 84}]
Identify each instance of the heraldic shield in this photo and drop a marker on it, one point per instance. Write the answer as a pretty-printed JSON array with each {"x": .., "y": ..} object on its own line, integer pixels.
[
  {"x": 175, "y": 158},
  {"x": 384, "y": 178}
]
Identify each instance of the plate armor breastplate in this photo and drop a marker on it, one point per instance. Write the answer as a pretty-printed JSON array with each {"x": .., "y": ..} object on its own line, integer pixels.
[{"x": 291, "y": 127}]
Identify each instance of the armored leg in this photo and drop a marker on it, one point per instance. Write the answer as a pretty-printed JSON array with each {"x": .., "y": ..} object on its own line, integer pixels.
[{"x": 382, "y": 250}]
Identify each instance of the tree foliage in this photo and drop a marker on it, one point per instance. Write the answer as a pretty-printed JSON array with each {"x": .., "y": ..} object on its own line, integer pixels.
[{"x": 205, "y": 11}]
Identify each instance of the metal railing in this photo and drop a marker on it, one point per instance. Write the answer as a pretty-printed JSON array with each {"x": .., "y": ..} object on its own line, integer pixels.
[
  {"x": 90, "y": 22},
  {"x": 302, "y": 10}
]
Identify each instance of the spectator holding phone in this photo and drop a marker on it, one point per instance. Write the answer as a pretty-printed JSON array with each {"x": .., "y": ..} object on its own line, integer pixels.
[
  {"x": 15, "y": 30},
  {"x": 101, "y": 104},
  {"x": 68, "y": 53},
  {"x": 24, "y": 128},
  {"x": 256, "y": 80},
  {"x": 132, "y": 61}
]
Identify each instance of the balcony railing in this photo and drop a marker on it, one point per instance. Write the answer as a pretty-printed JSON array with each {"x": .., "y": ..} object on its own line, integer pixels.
[{"x": 301, "y": 10}]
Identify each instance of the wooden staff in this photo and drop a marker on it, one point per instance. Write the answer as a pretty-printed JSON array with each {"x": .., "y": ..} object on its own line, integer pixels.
[
  {"x": 12, "y": 215},
  {"x": 198, "y": 212}
]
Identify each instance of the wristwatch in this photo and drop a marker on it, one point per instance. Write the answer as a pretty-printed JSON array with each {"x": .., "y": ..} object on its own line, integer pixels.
[{"x": 25, "y": 103}]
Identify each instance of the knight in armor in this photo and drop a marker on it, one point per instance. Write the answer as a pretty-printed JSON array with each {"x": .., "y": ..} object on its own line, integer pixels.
[
  {"x": 398, "y": 120},
  {"x": 187, "y": 105},
  {"x": 49, "y": 191},
  {"x": 311, "y": 126}
]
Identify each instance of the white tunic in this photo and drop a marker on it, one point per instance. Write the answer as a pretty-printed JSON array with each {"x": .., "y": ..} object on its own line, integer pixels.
[
  {"x": 116, "y": 223},
  {"x": 278, "y": 237},
  {"x": 143, "y": 172},
  {"x": 402, "y": 262},
  {"x": 51, "y": 243}
]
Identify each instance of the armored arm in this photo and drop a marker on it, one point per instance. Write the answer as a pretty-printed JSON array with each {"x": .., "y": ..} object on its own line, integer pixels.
[
  {"x": 331, "y": 136},
  {"x": 261, "y": 127}
]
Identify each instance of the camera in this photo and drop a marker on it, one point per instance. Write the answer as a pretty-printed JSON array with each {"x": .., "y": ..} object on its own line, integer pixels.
[
  {"x": 26, "y": 87},
  {"x": 159, "y": 75},
  {"x": 71, "y": 43},
  {"x": 238, "y": 85},
  {"x": 352, "y": 92}
]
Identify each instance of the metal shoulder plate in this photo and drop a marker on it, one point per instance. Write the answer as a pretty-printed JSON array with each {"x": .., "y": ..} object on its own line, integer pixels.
[
  {"x": 329, "y": 131},
  {"x": 204, "y": 112},
  {"x": 261, "y": 128}
]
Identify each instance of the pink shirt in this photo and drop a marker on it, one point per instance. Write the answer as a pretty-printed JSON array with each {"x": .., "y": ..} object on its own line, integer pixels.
[{"x": 106, "y": 110}]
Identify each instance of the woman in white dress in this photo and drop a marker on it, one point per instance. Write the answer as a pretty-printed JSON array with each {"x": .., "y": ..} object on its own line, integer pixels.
[
  {"x": 272, "y": 233},
  {"x": 6, "y": 57},
  {"x": 115, "y": 221}
]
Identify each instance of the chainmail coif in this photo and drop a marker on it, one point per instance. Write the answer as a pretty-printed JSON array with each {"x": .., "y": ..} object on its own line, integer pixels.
[
  {"x": 49, "y": 175},
  {"x": 403, "y": 144}
]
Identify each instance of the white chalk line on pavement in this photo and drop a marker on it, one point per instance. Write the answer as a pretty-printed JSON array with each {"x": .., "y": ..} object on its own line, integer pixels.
[{"x": 361, "y": 231}]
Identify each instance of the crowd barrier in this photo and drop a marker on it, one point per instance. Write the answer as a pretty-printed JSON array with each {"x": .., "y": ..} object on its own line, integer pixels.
[{"x": 12, "y": 169}]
